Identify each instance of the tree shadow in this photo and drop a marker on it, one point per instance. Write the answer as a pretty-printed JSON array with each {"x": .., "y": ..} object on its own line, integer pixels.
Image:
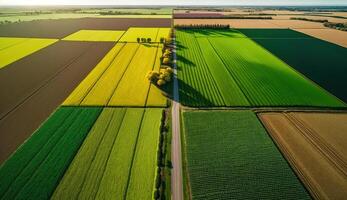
[
  {"x": 185, "y": 60},
  {"x": 188, "y": 95}
]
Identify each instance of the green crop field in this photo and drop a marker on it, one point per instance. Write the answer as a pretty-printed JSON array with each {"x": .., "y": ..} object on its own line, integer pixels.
[
  {"x": 95, "y": 35},
  {"x": 118, "y": 158},
  {"x": 13, "y": 49},
  {"x": 35, "y": 169},
  {"x": 229, "y": 155},
  {"x": 323, "y": 62},
  {"x": 228, "y": 69},
  {"x": 120, "y": 79}
]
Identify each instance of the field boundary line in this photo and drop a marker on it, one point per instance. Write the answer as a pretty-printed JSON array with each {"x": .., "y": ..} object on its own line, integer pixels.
[
  {"x": 134, "y": 153},
  {"x": 47, "y": 81}
]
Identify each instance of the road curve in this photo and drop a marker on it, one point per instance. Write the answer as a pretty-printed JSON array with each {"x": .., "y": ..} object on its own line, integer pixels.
[{"x": 176, "y": 174}]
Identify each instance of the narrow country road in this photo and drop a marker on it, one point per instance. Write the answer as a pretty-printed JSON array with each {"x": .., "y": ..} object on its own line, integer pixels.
[{"x": 176, "y": 175}]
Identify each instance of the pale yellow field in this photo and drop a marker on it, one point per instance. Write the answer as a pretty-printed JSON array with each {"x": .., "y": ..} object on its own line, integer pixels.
[
  {"x": 330, "y": 35},
  {"x": 13, "y": 49},
  {"x": 120, "y": 79},
  {"x": 155, "y": 34},
  {"x": 77, "y": 96},
  {"x": 95, "y": 35},
  {"x": 155, "y": 96},
  {"x": 133, "y": 89},
  {"x": 102, "y": 91}
]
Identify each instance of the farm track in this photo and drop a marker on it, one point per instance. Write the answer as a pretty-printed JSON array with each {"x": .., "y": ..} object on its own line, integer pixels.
[
  {"x": 63, "y": 27},
  {"x": 39, "y": 96}
]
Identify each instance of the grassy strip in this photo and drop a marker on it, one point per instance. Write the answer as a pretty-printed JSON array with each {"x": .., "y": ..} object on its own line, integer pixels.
[
  {"x": 143, "y": 172},
  {"x": 230, "y": 156},
  {"x": 39, "y": 178}
]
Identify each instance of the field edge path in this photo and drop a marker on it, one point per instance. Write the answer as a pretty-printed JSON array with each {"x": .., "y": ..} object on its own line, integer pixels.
[{"x": 176, "y": 180}]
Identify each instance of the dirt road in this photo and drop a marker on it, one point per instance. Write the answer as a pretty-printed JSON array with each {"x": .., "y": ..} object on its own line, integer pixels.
[{"x": 176, "y": 179}]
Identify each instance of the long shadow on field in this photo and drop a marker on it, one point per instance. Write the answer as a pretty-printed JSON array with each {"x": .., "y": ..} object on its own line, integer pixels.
[
  {"x": 179, "y": 45},
  {"x": 186, "y": 61},
  {"x": 189, "y": 96}
]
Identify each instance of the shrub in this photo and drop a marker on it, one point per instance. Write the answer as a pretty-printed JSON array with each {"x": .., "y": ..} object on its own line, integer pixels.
[
  {"x": 166, "y": 61},
  {"x": 149, "y": 40},
  {"x": 138, "y": 40}
]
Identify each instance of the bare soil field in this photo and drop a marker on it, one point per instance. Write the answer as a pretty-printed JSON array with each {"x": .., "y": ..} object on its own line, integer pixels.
[
  {"x": 33, "y": 87},
  {"x": 299, "y": 24},
  {"x": 315, "y": 144},
  {"x": 330, "y": 19},
  {"x": 63, "y": 27},
  {"x": 330, "y": 35},
  {"x": 234, "y": 23}
]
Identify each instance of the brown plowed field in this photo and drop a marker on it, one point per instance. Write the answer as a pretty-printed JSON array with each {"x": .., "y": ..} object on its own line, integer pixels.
[
  {"x": 315, "y": 144},
  {"x": 63, "y": 27},
  {"x": 36, "y": 85}
]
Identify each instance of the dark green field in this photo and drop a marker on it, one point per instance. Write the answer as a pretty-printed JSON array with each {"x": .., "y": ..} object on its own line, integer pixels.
[
  {"x": 323, "y": 62},
  {"x": 230, "y": 156}
]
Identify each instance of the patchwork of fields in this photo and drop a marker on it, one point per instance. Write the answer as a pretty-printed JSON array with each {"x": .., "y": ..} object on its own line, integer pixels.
[
  {"x": 12, "y": 49},
  {"x": 113, "y": 153},
  {"x": 229, "y": 69},
  {"x": 230, "y": 156},
  {"x": 305, "y": 53},
  {"x": 34, "y": 86}
]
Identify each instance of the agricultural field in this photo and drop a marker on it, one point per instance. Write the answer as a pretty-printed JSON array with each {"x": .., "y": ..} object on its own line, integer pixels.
[
  {"x": 304, "y": 53},
  {"x": 224, "y": 163},
  {"x": 12, "y": 49},
  {"x": 107, "y": 152},
  {"x": 61, "y": 28},
  {"x": 257, "y": 78},
  {"x": 154, "y": 34},
  {"x": 314, "y": 144},
  {"x": 31, "y": 90},
  {"x": 120, "y": 79},
  {"x": 95, "y": 35}
]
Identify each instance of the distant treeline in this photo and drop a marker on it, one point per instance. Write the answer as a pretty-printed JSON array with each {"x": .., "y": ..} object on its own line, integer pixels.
[
  {"x": 338, "y": 26},
  {"x": 203, "y": 26},
  {"x": 310, "y": 20},
  {"x": 221, "y": 17},
  {"x": 122, "y": 13}
]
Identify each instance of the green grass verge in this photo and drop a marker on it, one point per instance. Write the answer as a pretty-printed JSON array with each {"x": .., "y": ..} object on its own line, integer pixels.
[
  {"x": 37, "y": 166},
  {"x": 230, "y": 156}
]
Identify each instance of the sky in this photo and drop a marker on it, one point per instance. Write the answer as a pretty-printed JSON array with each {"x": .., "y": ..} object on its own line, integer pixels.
[{"x": 173, "y": 2}]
